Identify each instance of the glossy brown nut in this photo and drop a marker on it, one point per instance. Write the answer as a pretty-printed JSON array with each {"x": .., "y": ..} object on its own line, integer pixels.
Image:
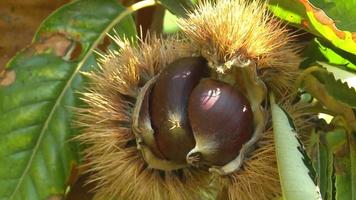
[
  {"x": 169, "y": 106},
  {"x": 142, "y": 123},
  {"x": 221, "y": 120}
]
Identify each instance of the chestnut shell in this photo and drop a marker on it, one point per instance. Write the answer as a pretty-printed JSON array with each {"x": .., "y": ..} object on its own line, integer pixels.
[
  {"x": 144, "y": 122},
  {"x": 169, "y": 106},
  {"x": 221, "y": 120}
]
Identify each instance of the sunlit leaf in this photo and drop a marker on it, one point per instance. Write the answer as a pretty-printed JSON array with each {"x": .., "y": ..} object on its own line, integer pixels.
[
  {"x": 310, "y": 16},
  {"x": 336, "y": 88},
  {"x": 321, "y": 50}
]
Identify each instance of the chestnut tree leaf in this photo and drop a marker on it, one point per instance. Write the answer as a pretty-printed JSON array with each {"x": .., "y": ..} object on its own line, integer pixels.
[
  {"x": 17, "y": 22},
  {"x": 338, "y": 10},
  {"x": 317, "y": 89},
  {"x": 295, "y": 177},
  {"x": 343, "y": 149},
  {"x": 339, "y": 143},
  {"x": 335, "y": 94},
  {"x": 339, "y": 72},
  {"x": 334, "y": 154},
  {"x": 323, "y": 162},
  {"x": 322, "y": 50},
  {"x": 36, "y": 155},
  {"x": 336, "y": 88},
  {"x": 332, "y": 20},
  {"x": 177, "y": 7},
  {"x": 345, "y": 167}
]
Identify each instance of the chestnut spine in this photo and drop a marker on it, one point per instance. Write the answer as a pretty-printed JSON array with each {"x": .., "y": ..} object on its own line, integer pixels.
[{"x": 210, "y": 31}]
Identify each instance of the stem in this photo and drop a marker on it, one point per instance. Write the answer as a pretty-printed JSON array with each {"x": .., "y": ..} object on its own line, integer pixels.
[{"x": 301, "y": 77}]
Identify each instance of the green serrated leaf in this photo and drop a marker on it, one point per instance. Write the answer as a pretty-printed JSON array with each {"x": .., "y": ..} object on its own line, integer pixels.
[
  {"x": 322, "y": 86},
  {"x": 336, "y": 88},
  {"x": 308, "y": 16},
  {"x": 295, "y": 177},
  {"x": 35, "y": 111},
  {"x": 323, "y": 162},
  {"x": 177, "y": 7},
  {"x": 340, "y": 73},
  {"x": 345, "y": 168},
  {"x": 341, "y": 141},
  {"x": 333, "y": 151},
  {"x": 321, "y": 50},
  {"x": 337, "y": 10}
]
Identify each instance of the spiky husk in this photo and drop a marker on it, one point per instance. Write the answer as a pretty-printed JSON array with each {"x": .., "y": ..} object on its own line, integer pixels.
[
  {"x": 227, "y": 29},
  {"x": 220, "y": 32},
  {"x": 302, "y": 116},
  {"x": 258, "y": 178},
  {"x": 116, "y": 164}
]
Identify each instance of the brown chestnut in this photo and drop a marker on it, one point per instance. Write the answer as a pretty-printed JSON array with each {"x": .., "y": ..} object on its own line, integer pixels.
[
  {"x": 169, "y": 106},
  {"x": 142, "y": 122},
  {"x": 221, "y": 120}
]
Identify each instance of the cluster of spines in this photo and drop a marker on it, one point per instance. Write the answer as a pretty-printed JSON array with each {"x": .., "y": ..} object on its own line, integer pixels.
[
  {"x": 112, "y": 157},
  {"x": 218, "y": 32},
  {"x": 224, "y": 30}
]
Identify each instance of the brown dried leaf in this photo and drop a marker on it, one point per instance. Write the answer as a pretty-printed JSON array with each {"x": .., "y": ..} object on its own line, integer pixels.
[
  {"x": 7, "y": 77},
  {"x": 18, "y": 23}
]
